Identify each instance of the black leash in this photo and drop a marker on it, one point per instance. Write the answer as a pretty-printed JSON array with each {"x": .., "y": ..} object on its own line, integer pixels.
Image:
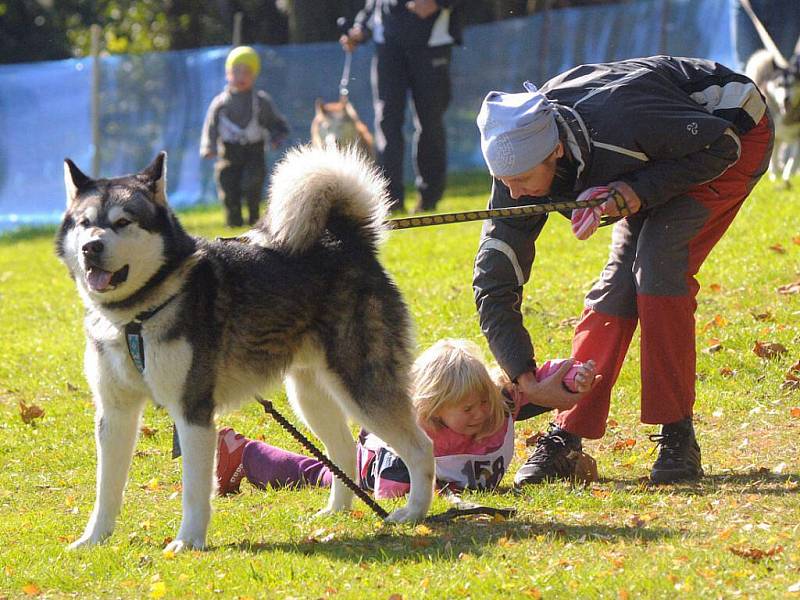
[
  {"x": 343, "y": 477},
  {"x": 460, "y": 507}
]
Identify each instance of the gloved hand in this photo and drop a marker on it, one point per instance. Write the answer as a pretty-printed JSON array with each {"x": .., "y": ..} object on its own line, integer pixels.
[
  {"x": 579, "y": 378},
  {"x": 621, "y": 202},
  {"x": 585, "y": 221}
]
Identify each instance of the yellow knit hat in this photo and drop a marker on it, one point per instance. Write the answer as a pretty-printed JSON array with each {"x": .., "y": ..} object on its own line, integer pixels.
[{"x": 244, "y": 55}]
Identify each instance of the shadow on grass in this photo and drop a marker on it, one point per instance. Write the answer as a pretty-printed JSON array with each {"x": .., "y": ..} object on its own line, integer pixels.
[
  {"x": 761, "y": 481},
  {"x": 448, "y": 541}
]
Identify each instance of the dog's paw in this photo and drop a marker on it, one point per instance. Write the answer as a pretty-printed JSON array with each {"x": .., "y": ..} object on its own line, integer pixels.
[
  {"x": 327, "y": 511},
  {"x": 86, "y": 541},
  {"x": 178, "y": 546},
  {"x": 405, "y": 515}
]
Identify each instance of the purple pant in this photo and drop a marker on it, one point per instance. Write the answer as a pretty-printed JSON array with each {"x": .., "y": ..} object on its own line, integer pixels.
[{"x": 267, "y": 465}]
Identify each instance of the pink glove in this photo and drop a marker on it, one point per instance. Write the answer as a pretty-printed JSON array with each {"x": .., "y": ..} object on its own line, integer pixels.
[
  {"x": 585, "y": 221},
  {"x": 551, "y": 366}
]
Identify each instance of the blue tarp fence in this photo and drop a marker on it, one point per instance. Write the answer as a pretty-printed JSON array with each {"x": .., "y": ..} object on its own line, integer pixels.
[{"x": 158, "y": 101}]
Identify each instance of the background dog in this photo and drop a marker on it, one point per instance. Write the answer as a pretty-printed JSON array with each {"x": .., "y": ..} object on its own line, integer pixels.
[
  {"x": 779, "y": 81},
  {"x": 338, "y": 123},
  {"x": 201, "y": 326}
]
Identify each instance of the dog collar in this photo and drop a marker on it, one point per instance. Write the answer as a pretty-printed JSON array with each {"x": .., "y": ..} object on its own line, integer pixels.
[{"x": 133, "y": 334}]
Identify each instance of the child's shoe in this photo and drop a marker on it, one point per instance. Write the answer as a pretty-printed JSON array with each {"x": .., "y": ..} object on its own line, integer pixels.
[{"x": 230, "y": 470}]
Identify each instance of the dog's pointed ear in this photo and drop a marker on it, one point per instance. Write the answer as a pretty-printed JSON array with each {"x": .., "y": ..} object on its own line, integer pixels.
[
  {"x": 74, "y": 180},
  {"x": 319, "y": 107},
  {"x": 350, "y": 110},
  {"x": 156, "y": 176}
]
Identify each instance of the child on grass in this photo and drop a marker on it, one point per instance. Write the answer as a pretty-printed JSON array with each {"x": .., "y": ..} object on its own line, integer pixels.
[
  {"x": 238, "y": 124},
  {"x": 468, "y": 416}
]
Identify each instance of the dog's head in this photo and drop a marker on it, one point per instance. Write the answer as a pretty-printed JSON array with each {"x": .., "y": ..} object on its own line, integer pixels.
[
  {"x": 335, "y": 123},
  {"x": 117, "y": 234},
  {"x": 783, "y": 86}
]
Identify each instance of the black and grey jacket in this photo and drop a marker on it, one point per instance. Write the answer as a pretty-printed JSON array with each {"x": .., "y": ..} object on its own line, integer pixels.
[
  {"x": 661, "y": 124},
  {"x": 389, "y": 21}
]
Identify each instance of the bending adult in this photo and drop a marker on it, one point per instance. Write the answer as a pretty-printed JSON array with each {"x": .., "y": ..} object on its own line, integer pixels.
[
  {"x": 675, "y": 145},
  {"x": 413, "y": 45}
]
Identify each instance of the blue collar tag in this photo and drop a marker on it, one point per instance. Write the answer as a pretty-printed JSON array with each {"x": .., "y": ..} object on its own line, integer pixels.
[{"x": 133, "y": 337}]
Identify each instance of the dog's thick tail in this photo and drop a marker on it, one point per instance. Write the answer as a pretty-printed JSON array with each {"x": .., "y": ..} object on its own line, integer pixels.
[{"x": 310, "y": 185}]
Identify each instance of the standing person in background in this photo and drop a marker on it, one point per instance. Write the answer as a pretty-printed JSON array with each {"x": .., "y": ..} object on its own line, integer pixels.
[
  {"x": 781, "y": 19},
  {"x": 413, "y": 46},
  {"x": 238, "y": 124}
]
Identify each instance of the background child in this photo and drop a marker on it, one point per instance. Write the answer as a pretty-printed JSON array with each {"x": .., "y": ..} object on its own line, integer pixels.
[
  {"x": 238, "y": 123},
  {"x": 468, "y": 416}
]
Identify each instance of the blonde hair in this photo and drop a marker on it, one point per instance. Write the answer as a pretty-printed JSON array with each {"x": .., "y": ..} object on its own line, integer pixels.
[{"x": 447, "y": 372}]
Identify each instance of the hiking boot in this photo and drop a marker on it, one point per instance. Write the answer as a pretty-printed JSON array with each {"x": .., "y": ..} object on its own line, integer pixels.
[
  {"x": 230, "y": 470},
  {"x": 678, "y": 453},
  {"x": 549, "y": 460}
]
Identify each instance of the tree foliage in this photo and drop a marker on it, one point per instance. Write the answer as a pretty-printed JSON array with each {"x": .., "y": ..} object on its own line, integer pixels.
[{"x": 32, "y": 30}]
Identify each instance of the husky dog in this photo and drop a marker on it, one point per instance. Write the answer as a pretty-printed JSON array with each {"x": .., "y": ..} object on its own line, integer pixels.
[
  {"x": 201, "y": 326},
  {"x": 779, "y": 81},
  {"x": 338, "y": 123}
]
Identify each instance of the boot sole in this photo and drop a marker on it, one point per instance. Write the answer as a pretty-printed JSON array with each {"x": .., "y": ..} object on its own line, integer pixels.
[{"x": 662, "y": 477}]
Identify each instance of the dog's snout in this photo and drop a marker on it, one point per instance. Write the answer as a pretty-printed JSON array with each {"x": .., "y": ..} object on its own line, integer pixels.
[{"x": 92, "y": 248}]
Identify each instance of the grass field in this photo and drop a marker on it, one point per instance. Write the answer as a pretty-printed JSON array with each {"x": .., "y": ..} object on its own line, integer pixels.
[{"x": 736, "y": 533}]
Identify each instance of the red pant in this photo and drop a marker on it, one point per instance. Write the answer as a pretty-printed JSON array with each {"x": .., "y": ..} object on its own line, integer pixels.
[{"x": 671, "y": 241}]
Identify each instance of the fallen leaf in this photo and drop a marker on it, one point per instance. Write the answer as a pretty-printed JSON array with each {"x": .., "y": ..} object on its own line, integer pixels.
[
  {"x": 158, "y": 589},
  {"x": 725, "y": 533},
  {"x": 636, "y": 521},
  {"x": 713, "y": 348},
  {"x": 790, "y": 288},
  {"x": 625, "y": 444},
  {"x": 762, "y": 316},
  {"x": 504, "y": 542},
  {"x": 534, "y": 439},
  {"x": 726, "y": 372},
  {"x": 755, "y": 554},
  {"x": 717, "y": 321},
  {"x": 31, "y": 589},
  {"x": 612, "y": 423},
  {"x": 794, "y": 412},
  {"x": 584, "y": 467},
  {"x": 29, "y": 413},
  {"x": 396, "y": 597},
  {"x": 778, "y": 248},
  {"x": 715, "y": 287},
  {"x": 769, "y": 349},
  {"x": 147, "y": 431},
  {"x": 153, "y": 485}
]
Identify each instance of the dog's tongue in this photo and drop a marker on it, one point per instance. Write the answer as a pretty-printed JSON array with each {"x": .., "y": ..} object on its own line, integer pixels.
[{"x": 98, "y": 279}]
